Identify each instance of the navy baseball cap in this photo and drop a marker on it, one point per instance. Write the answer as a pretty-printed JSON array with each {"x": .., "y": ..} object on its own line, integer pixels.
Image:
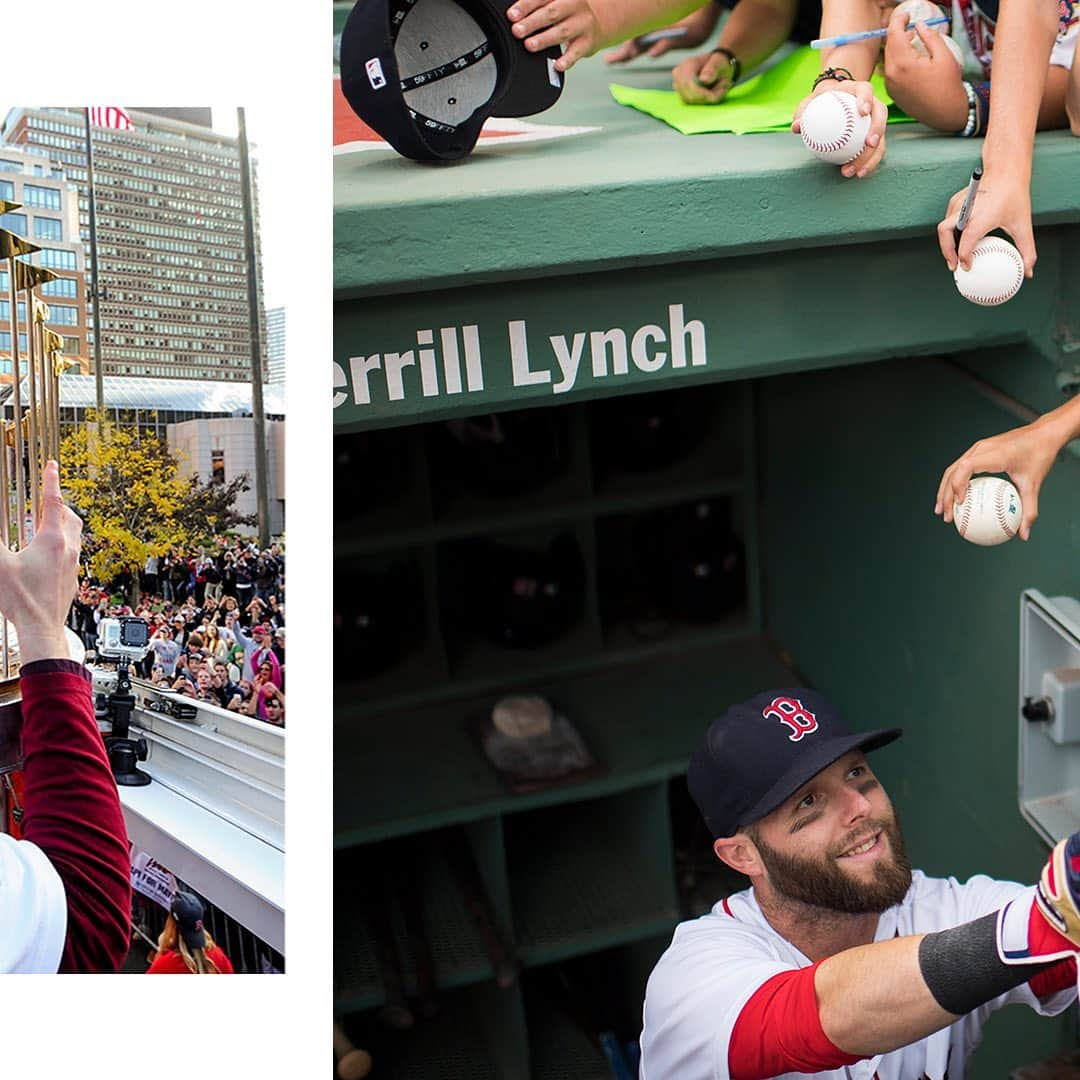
[
  {"x": 187, "y": 910},
  {"x": 761, "y": 752},
  {"x": 426, "y": 74}
]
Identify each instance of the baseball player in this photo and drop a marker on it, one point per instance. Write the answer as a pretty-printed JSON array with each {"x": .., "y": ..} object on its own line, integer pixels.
[
  {"x": 1025, "y": 453},
  {"x": 65, "y": 891},
  {"x": 840, "y": 961}
]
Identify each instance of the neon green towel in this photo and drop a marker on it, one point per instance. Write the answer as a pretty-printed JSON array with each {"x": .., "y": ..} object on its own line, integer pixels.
[{"x": 766, "y": 102}]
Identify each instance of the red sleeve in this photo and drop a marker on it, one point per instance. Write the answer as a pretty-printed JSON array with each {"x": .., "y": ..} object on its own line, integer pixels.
[
  {"x": 1059, "y": 976},
  {"x": 71, "y": 810},
  {"x": 779, "y": 1031}
]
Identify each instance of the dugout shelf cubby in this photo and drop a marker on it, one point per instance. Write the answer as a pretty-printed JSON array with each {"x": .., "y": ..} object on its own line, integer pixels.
[
  {"x": 456, "y": 946},
  {"x": 479, "y": 1034},
  {"x": 420, "y": 768},
  {"x": 562, "y": 484},
  {"x": 585, "y": 876}
]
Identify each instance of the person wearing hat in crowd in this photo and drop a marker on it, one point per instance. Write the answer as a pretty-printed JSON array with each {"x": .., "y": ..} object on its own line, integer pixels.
[
  {"x": 258, "y": 650},
  {"x": 65, "y": 900},
  {"x": 184, "y": 945},
  {"x": 839, "y": 953},
  {"x": 165, "y": 648}
]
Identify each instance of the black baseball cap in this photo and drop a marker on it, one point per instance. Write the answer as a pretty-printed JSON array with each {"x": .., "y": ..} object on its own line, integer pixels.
[
  {"x": 426, "y": 74},
  {"x": 761, "y": 752},
  {"x": 187, "y": 910}
]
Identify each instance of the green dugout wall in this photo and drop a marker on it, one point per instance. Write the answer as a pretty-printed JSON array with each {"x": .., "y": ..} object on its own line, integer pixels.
[{"x": 845, "y": 373}]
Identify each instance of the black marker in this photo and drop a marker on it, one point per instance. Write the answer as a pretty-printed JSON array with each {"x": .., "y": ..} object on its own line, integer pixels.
[{"x": 969, "y": 202}]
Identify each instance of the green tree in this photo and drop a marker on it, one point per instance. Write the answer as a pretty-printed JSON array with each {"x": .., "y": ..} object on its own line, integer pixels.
[{"x": 127, "y": 488}]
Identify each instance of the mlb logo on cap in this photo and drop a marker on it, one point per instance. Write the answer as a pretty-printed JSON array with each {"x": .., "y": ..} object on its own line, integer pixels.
[
  {"x": 443, "y": 67},
  {"x": 375, "y": 73}
]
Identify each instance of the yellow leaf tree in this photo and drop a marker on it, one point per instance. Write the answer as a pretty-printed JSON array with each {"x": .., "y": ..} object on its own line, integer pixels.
[{"x": 126, "y": 487}]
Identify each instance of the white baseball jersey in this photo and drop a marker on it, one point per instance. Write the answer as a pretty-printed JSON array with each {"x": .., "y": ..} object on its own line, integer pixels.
[
  {"x": 715, "y": 963},
  {"x": 33, "y": 910}
]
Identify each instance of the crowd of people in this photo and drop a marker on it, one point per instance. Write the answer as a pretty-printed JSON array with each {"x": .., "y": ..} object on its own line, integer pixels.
[{"x": 217, "y": 620}]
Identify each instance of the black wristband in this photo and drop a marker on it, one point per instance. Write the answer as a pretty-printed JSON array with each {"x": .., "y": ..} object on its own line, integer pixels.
[
  {"x": 962, "y": 970},
  {"x": 733, "y": 60}
]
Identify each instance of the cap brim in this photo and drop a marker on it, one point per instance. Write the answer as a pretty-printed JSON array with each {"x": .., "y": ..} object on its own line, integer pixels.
[{"x": 809, "y": 765}]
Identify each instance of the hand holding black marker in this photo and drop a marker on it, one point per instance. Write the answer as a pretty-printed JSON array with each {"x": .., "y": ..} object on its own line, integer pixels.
[{"x": 969, "y": 202}]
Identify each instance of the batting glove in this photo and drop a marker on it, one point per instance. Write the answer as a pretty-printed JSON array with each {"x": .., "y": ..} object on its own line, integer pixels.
[{"x": 1045, "y": 924}]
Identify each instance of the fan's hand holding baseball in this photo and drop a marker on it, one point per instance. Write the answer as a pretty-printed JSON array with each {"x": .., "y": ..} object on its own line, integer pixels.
[
  {"x": 928, "y": 87},
  {"x": 868, "y": 105},
  {"x": 543, "y": 23},
  {"x": 1025, "y": 453},
  {"x": 38, "y": 583},
  {"x": 1003, "y": 202}
]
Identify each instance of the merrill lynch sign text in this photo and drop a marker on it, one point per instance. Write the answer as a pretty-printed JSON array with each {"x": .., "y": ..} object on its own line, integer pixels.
[{"x": 447, "y": 360}]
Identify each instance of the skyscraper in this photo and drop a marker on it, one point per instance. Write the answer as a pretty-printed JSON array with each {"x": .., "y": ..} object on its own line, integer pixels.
[
  {"x": 170, "y": 234},
  {"x": 275, "y": 345}
]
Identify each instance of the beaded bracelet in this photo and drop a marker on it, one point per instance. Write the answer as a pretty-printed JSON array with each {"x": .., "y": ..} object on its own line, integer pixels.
[
  {"x": 838, "y": 74},
  {"x": 969, "y": 127}
]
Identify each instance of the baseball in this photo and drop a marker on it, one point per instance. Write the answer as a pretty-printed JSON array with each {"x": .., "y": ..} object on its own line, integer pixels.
[
  {"x": 522, "y": 716},
  {"x": 833, "y": 128},
  {"x": 990, "y": 513},
  {"x": 996, "y": 273},
  {"x": 923, "y": 11}
]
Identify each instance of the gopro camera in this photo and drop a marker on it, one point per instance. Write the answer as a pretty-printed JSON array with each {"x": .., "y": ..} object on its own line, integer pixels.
[{"x": 124, "y": 637}]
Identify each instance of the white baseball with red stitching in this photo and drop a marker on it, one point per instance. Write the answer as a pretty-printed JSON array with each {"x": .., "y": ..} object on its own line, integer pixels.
[
  {"x": 833, "y": 128},
  {"x": 990, "y": 513},
  {"x": 996, "y": 274},
  {"x": 920, "y": 11}
]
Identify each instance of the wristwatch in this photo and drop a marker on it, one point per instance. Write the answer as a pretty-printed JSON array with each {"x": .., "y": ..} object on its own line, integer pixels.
[{"x": 733, "y": 60}]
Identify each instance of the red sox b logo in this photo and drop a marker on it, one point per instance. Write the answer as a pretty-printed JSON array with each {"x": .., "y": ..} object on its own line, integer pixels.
[{"x": 792, "y": 712}]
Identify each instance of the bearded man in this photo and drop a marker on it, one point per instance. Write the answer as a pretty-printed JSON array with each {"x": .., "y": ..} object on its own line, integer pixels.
[{"x": 840, "y": 961}]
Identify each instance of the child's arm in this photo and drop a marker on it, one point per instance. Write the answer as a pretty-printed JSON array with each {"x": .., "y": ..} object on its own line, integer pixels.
[
  {"x": 858, "y": 59},
  {"x": 696, "y": 27},
  {"x": 584, "y": 26},
  {"x": 1025, "y": 453},
  {"x": 929, "y": 88},
  {"x": 753, "y": 32},
  {"x": 1023, "y": 39}
]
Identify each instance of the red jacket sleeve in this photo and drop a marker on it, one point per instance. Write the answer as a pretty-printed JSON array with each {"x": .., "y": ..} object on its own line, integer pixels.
[
  {"x": 779, "y": 1031},
  {"x": 71, "y": 810}
]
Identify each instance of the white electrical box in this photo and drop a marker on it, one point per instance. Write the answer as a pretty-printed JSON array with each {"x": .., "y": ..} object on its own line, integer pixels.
[{"x": 1049, "y": 714}]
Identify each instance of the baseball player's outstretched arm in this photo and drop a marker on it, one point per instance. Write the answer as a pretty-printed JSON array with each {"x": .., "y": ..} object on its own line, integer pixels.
[
  {"x": 1025, "y": 453},
  {"x": 873, "y": 999},
  {"x": 70, "y": 802},
  {"x": 1023, "y": 39}
]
